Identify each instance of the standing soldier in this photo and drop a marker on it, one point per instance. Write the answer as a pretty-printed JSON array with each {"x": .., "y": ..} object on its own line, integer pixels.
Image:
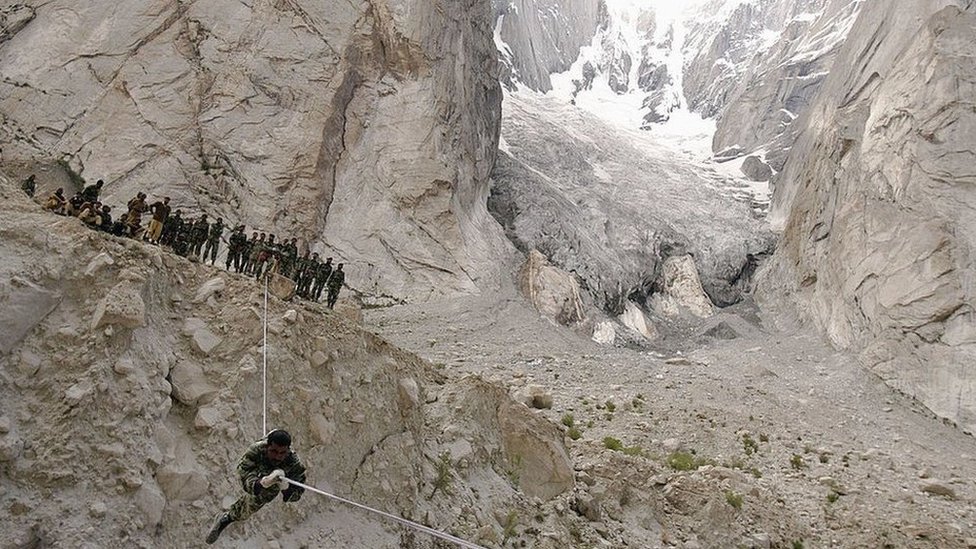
[
  {"x": 213, "y": 240},
  {"x": 246, "y": 253},
  {"x": 183, "y": 240},
  {"x": 234, "y": 246},
  {"x": 262, "y": 470},
  {"x": 289, "y": 254},
  {"x": 171, "y": 228},
  {"x": 335, "y": 282},
  {"x": 301, "y": 268},
  {"x": 257, "y": 253},
  {"x": 201, "y": 228},
  {"x": 137, "y": 205},
  {"x": 160, "y": 213},
  {"x": 29, "y": 186},
  {"x": 322, "y": 278}
]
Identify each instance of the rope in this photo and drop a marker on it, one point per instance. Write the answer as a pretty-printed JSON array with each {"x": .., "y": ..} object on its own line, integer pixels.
[
  {"x": 264, "y": 375},
  {"x": 408, "y": 523}
]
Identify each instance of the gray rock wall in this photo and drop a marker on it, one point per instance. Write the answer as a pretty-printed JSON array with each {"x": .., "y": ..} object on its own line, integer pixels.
[
  {"x": 877, "y": 203},
  {"x": 757, "y": 86},
  {"x": 367, "y": 128},
  {"x": 544, "y": 36}
]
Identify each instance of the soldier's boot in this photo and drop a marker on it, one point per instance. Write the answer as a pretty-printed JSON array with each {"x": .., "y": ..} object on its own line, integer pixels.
[{"x": 220, "y": 522}]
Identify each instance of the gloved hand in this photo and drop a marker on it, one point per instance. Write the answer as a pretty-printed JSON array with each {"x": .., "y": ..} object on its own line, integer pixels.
[
  {"x": 272, "y": 478},
  {"x": 282, "y": 483}
]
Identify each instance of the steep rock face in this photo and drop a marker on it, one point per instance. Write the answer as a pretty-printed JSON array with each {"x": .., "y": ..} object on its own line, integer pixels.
[
  {"x": 757, "y": 68},
  {"x": 539, "y": 37},
  {"x": 367, "y": 129},
  {"x": 877, "y": 203}
]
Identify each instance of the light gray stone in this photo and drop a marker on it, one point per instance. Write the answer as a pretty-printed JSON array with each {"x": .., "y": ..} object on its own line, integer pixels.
[
  {"x": 23, "y": 305},
  {"x": 190, "y": 384},
  {"x": 552, "y": 291},
  {"x": 210, "y": 288},
  {"x": 681, "y": 291},
  {"x": 122, "y": 306}
]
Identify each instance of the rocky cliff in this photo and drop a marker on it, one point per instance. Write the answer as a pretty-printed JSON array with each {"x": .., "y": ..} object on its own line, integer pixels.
[
  {"x": 877, "y": 207},
  {"x": 367, "y": 129},
  {"x": 131, "y": 382},
  {"x": 756, "y": 66},
  {"x": 536, "y": 38}
]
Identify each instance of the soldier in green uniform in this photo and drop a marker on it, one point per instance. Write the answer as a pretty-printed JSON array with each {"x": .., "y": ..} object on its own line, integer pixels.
[
  {"x": 29, "y": 186},
  {"x": 321, "y": 278},
  {"x": 262, "y": 470},
  {"x": 335, "y": 283},
  {"x": 235, "y": 247},
  {"x": 201, "y": 228},
  {"x": 213, "y": 241},
  {"x": 289, "y": 255}
]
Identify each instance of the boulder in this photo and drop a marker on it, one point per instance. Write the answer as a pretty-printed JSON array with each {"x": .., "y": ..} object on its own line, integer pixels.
[
  {"x": 755, "y": 169},
  {"x": 634, "y": 318},
  {"x": 533, "y": 447},
  {"x": 536, "y": 396},
  {"x": 150, "y": 501},
  {"x": 552, "y": 291},
  {"x": 97, "y": 263},
  {"x": 281, "y": 287},
  {"x": 204, "y": 341},
  {"x": 122, "y": 306},
  {"x": 350, "y": 309},
  {"x": 681, "y": 290},
  {"x": 209, "y": 288},
  {"x": 182, "y": 481},
  {"x": 604, "y": 333},
  {"x": 190, "y": 385}
]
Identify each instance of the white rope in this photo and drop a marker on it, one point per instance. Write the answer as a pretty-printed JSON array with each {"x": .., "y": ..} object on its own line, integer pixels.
[
  {"x": 408, "y": 523},
  {"x": 264, "y": 375}
]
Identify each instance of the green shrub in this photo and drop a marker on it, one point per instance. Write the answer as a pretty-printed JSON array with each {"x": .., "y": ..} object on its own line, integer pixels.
[
  {"x": 733, "y": 499},
  {"x": 614, "y": 444},
  {"x": 574, "y": 433},
  {"x": 686, "y": 461},
  {"x": 568, "y": 420}
]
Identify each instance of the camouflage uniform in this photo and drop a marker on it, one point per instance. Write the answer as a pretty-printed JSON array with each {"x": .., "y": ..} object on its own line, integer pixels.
[
  {"x": 335, "y": 283},
  {"x": 254, "y": 465},
  {"x": 213, "y": 241},
  {"x": 321, "y": 278}
]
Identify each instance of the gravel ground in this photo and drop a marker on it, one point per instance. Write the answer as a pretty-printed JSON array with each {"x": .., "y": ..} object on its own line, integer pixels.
[{"x": 854, "y": 463}]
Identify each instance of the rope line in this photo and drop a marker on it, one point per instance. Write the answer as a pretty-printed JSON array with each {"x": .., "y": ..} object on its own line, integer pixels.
[
  {"x": 408, "y": 523},
  {"x": 264, "y": 375}
]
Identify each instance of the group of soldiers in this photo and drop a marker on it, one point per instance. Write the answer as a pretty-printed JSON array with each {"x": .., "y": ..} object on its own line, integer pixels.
[{"x": 188, "y": 237}]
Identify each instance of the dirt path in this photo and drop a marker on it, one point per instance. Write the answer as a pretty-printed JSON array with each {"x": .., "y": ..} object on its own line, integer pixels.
[{"x": 855, "y": 463}]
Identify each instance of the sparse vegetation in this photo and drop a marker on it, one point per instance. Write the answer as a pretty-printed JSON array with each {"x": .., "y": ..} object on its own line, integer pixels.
[
  {"x": 798, "y": 544},
  {"x": 686, "y": 461},
  {"x": 797, "y": 463},
  {"x": 442, "y": 481},
  {"x": 511, "y": 523},
  {"x": 733, "y": 499},
  {"x": 614, "y": 444},
  {"x": 749, "y": 445},
  {"x": 610, "y": 406},
  {"x": 832, "y": 496},
  {"x": 574, "y": 433},
  {"x": 568, "y": 421},
  {"x": 514, "y": 470}
]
